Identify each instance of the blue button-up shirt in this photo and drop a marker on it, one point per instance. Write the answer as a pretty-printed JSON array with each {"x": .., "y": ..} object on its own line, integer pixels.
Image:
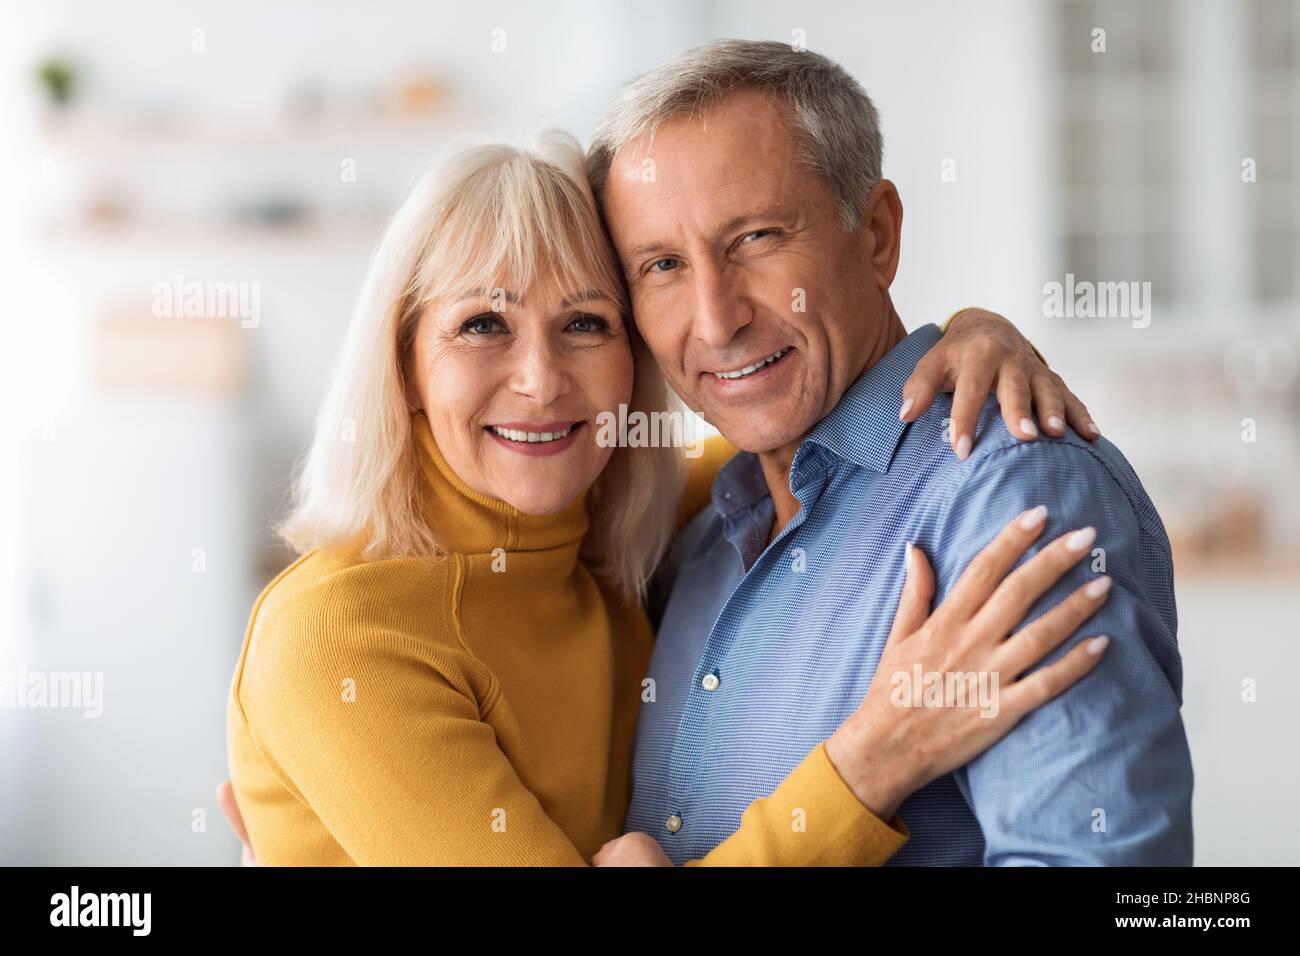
[{"x": 792, "y": 633}]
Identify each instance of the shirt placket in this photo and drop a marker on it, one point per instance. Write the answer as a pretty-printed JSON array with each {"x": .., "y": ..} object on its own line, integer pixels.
[{"x": 705, "y": 698}]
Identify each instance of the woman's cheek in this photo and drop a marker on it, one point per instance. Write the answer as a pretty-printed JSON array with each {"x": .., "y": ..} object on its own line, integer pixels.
[
  {"x": 458, "y": 391},
  {"x": 612, "y": 375}
]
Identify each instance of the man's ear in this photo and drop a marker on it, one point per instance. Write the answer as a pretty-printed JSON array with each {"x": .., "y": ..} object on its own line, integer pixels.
[{"x": 882, "y": 231}]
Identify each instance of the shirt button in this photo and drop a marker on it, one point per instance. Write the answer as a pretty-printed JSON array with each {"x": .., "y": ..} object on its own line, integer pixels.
[
  {"x": 674, "y": 823},
  {"x": 710, "y": 682}
]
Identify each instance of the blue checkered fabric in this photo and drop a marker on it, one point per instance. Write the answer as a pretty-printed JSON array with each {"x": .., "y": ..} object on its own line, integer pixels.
[{"x": 1101, "y": 775}]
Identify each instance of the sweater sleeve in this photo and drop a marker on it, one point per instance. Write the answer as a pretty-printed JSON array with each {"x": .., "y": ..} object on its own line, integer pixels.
[
  {"x": 812, "y": 818},
  {"x": 380, "y": 734}
]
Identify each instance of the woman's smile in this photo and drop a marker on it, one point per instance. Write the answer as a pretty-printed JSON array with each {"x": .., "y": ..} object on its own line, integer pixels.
[{"x": 540, "y": 438}]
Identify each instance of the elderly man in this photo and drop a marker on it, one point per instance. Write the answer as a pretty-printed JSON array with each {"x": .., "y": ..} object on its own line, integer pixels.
[{"x": 741, "y": 182}]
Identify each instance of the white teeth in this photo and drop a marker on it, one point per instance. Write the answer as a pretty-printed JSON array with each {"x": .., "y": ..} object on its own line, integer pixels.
[
  {"x": 750, "y": 369},
  {"x": 514, "y": 434}
]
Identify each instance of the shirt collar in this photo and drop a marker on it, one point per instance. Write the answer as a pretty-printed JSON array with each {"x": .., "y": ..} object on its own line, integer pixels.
[{"x": 864, "y": 426}]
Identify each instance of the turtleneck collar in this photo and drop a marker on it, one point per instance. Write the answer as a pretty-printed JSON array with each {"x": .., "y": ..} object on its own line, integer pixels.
[{"x": 467, "y": 522}]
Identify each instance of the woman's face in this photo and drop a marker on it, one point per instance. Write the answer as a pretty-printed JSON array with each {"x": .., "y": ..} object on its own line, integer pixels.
[{"x": 511, "y": 384}]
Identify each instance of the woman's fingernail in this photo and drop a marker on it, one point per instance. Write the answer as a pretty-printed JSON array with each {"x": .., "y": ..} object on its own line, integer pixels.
[
  {"x": 1098, "y": 587},
  {"x": 1055, "y": 423},
  {"x": 906, "y": 407},
  {"x": 1080, "y": 539},
  {"x": 1029, "y": 428},
  {"x": 1092, "y": 427},
  {"x": 1033, "y": 518},
  {"x": 963, "y": 447},
  {"x": 1097, "y": 644}
]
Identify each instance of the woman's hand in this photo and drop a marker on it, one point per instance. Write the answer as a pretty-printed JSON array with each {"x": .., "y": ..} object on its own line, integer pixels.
[
  {"x": 631, "y": 849},
  {"x": 897, "y": 742},
  {"x": 982, "y": 352},
  {"x": 230, "y": 810}
]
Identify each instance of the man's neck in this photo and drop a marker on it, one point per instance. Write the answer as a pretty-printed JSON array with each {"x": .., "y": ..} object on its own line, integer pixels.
[{"x": 776, "y": 463}]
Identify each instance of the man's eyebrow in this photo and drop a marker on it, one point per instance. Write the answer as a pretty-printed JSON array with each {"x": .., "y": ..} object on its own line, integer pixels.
[
  {"x": 778, "y": 213},
  {"x": 647, "y": 249}
]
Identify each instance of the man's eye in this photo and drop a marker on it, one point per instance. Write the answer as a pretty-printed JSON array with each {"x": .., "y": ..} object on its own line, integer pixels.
[
  {"x": 756, "y": 234},
  {"x": 586, "y": 322},
  {"x": 481, "y": 325},
  {"x": 663, "y": 265}
]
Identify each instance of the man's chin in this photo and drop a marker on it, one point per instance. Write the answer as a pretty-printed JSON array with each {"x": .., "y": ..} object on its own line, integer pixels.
[{"x": 769, "y": 434}]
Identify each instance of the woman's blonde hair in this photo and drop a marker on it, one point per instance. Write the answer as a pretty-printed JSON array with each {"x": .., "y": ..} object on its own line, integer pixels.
[{"x": 489, "y": 217}]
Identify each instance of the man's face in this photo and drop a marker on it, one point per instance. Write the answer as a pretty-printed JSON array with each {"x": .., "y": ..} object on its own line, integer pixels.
[{"x": 759, "y": 308}]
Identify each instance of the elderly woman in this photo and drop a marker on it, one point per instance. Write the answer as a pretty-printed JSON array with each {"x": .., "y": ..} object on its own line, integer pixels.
[{"x": 451, "y": 671}]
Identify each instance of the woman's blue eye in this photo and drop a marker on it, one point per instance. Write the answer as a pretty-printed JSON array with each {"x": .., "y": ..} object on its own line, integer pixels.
[
  {"x": 590, "y": 323},
  {"x": 654, "y": 266},
  {"x": 481, "y": 325}
]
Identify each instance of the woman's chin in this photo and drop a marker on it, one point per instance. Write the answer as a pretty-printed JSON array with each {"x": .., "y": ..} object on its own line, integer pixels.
[{"x": 541, "y": 501}]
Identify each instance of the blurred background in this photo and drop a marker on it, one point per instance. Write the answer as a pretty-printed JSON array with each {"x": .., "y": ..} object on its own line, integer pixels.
[{"x": 149, "y": 144}]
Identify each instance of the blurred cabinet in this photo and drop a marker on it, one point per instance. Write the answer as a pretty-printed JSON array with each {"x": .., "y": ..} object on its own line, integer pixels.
[{"x": 139, "y": 546}]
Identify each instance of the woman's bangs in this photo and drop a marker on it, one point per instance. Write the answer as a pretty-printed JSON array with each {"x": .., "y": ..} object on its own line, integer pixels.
[{"x": 530, "y": 229}]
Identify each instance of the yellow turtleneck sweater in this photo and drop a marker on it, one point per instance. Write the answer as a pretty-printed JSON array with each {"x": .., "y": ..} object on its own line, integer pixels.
[{"x": 440, "y": 711}]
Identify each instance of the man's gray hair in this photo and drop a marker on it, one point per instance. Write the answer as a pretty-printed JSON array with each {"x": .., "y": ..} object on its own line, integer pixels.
[{"x": 832, "y": 118}]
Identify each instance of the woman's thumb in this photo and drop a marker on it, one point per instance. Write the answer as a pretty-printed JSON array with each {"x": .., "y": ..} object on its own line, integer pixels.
[{"x": 918, "y": 592}]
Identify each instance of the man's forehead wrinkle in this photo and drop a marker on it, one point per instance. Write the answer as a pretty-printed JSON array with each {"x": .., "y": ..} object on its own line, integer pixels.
[{"x": 642, "y": 145}]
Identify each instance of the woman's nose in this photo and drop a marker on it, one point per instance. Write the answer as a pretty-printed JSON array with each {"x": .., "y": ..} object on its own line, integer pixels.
[{"x": 540, "y": 374}]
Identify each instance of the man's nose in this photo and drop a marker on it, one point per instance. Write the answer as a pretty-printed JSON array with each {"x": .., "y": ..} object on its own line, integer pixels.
[{"x": 721, "y": 307}]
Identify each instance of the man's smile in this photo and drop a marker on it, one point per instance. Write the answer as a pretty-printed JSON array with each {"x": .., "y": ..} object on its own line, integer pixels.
[{"x": 757, "y": 374}]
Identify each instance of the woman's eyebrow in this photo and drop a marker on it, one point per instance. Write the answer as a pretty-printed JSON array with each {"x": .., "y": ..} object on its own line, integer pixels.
[
  {"x": 587, "y": 295},
  {"x": 489, "y": 294},
  {"x": 590, "y": 295}
]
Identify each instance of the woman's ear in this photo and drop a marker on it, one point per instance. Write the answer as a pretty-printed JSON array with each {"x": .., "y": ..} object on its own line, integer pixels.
[
  {"x": 881, "y": 232},
  {"x": 413, "y": 402},
  {"x": 410, "y": 385}
]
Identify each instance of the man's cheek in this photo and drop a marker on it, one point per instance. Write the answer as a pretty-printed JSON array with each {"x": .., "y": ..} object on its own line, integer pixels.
[{"x": 662, "y": 337}]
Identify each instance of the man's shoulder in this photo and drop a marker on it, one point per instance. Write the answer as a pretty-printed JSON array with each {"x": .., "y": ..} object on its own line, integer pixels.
[{"x": 927, "y": 449}]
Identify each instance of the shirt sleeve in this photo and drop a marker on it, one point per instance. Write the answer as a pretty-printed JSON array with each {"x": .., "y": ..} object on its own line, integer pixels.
[{"x": 1102, "y": 774}]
